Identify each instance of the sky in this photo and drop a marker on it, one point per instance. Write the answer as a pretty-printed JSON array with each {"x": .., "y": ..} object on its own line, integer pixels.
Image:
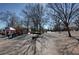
[
  {"x": 13, "y": 7},
  {"x": 17, "y": 8}
]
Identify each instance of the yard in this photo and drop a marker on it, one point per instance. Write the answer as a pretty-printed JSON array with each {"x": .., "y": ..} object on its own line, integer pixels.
[{"x": 51, "y": 43}]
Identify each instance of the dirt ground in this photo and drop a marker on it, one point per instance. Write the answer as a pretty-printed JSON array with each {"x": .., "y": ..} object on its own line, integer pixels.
[
  {"x": 61, "y": 44},
  {"x": 50, "y": 43}
]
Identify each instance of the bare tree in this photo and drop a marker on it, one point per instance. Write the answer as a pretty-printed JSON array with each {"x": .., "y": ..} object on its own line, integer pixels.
[
  {"x": 66, "y": 12},
  {"x": 35, "y": 14},
  {"x": 4, "y": 16},
  {"x": 76, "y": 22},
  {"x": 8, "y": 17},
  {"x": 38, "y": 13},
  {"x": 57, "y": 25},
  {"x": 27, "y": 14}
]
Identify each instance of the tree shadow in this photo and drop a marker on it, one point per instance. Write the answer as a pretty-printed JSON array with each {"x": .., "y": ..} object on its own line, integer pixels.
[
  {"x": 65, "y": 49},
  {"x": 75, "y": 38}
]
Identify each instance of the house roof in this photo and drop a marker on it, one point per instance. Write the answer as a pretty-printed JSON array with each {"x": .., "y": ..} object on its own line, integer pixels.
[{"x": 11, "y": 28}]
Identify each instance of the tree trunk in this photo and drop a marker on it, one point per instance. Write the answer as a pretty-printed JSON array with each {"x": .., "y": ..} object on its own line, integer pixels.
[{"x": 68, "y": 31}]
